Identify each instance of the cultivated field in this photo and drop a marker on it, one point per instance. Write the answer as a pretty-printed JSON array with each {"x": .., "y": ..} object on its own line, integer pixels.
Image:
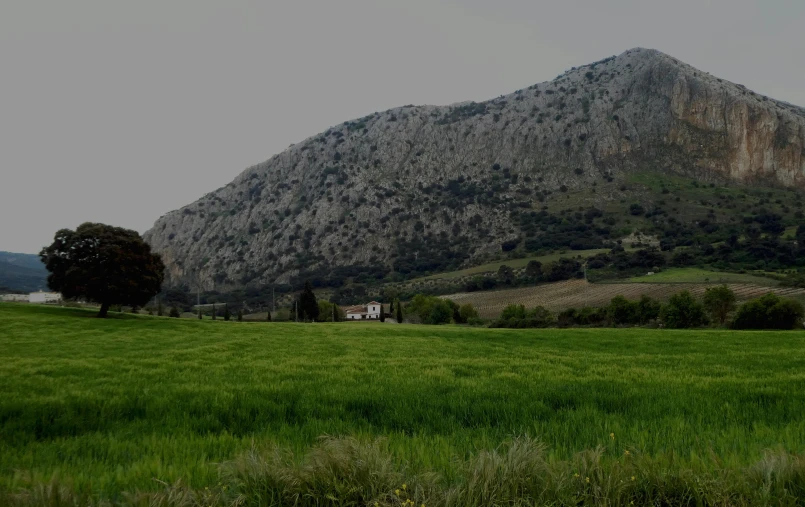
[
  {"x": 492, "y": 267},
  {"x": 699, "y": 275},
  {"x": 577, "y": 293},
  {"x": 135, "y": 403}
]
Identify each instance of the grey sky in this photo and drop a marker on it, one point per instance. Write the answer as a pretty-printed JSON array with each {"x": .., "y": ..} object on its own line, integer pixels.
[{"x": 120, "y": 111}]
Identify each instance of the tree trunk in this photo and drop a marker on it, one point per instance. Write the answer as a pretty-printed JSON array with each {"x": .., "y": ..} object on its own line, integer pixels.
[{"x": 104, "y": 310}]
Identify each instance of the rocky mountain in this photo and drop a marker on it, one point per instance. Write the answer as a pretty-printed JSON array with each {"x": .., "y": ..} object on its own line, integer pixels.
[{"x": 418, "y": 189}]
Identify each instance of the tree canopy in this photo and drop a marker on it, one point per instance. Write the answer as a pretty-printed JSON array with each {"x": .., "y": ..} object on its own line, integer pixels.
[
  {"x": 683, "y": 311},
  {"x": 769, "y": 312},
  {"x": 719, "y": 302},
  {"x": 104, "y": 264}
]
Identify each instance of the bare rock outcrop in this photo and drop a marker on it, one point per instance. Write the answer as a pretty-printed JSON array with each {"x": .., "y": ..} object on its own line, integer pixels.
[{"x": 419, "y": 184}]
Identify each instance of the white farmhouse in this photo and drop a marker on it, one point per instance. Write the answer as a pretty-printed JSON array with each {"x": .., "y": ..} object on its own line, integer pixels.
[
  {"x": 44, "y": 297},
  {"x": 14, "y": 298},
  {"x": 369, "y": 311}
]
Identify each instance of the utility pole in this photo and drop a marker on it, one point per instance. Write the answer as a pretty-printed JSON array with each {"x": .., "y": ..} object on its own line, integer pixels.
[{"x": 198, "y": 288}]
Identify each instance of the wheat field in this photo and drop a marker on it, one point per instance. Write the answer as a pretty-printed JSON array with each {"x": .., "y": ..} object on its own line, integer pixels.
[{"x": 140, "y": 410}]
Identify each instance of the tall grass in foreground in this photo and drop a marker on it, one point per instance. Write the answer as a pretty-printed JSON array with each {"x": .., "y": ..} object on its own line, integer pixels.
[
  {"x": 134, "y": 408},
  {"x": 348, "y": 472}
]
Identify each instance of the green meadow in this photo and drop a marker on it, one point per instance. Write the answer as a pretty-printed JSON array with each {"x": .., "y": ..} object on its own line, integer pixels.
[
  {"x": 132, "y": 403},
  {"x": 699, "y": 275}
]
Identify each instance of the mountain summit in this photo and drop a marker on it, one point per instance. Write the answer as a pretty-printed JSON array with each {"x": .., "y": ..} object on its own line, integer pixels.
[{"x": 422, "y": 188}]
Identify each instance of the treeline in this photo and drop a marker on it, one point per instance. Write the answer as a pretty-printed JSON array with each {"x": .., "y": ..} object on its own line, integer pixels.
[
  {"x": 753, "y": 248},
  {"x": 717, "y": 307},
  {"x": 434, "y": 310}
]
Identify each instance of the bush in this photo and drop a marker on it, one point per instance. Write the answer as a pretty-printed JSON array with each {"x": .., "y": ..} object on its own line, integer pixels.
[
  {"x": 683, "y": 311},
  {"x": 563, "y": 269},
  {"x": 174, "y": 312},
  {"x": 533, "y": 270},
  {"x": 769, "y": 312},
  {"x": 513, "y": 312},
  {"x": 636, "y": 209},
  {"x": 516, "y": 316},
  {"x": 431, "y": 309},
  {"x": 647, "y": 309},
  {"x": 326, "y": 312},
  {"x": 467, "y": 313},
  {"x": 621, "y": 311}
]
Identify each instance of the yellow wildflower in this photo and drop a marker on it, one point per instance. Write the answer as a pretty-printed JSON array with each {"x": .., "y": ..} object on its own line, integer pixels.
[
  {"x": 397, "y": 492},
  {"x": 612, "y": 436},
  {"x": 633, "y": 477},
  {"x": 626, "y": 453},
  {"x": 586, "y": 479},
  {"x": 404, "y": 486}
]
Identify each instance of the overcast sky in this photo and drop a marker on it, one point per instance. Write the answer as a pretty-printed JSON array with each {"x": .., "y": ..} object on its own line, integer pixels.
[{"x": 120, "y": 111}]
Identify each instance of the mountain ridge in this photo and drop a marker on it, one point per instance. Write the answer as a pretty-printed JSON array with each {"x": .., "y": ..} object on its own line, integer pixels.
[
  {"x": 379, "y": 193},
  {"x": 23, "y": 272}
]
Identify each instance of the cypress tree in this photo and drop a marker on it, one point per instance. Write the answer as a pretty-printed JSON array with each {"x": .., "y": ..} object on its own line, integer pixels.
[
  {"x": 240, "y": 315},
  {"x": 382, "y": 314},
  {"x": 308, "y": 306},
  {"x": 268, "y": 315},
  {"x": 399, "y": 312},
  {"x": 213, "y": 311},
  {"x": 159, "y": 308},
  {"x": 391, "y": 307},
  {"x": 226, "y": 311},
  {"x": 199, "y": 314}
]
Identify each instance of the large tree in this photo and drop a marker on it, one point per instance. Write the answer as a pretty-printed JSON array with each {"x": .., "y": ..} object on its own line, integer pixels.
[{"x": 105, "y": 264}]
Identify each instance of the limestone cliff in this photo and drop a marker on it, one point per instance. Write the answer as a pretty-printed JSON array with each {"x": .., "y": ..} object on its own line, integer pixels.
[{"x": 420, "y": 184}]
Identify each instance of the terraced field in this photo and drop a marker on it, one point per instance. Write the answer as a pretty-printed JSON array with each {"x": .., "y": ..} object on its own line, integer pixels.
[{"x": 577, "y": 293}]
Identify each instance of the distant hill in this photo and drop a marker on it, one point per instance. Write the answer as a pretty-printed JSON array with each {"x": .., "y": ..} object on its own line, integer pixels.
[
  {"x": 640, "y": 141},
  {"x": 22, "y": 272}
]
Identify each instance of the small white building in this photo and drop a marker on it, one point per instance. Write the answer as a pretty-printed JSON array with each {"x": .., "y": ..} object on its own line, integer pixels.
[
  {"x": 44, "y": 297},
  {"x": 369, "y": 311},
  {"x": 15, "y": 298}
]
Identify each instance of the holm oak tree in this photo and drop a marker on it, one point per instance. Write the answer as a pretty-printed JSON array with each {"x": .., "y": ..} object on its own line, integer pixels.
[{"x": 105, "y": 264}]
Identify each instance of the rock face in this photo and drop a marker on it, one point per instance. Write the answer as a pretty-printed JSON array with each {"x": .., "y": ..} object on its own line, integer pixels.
[{"x": 434, "y": 186}]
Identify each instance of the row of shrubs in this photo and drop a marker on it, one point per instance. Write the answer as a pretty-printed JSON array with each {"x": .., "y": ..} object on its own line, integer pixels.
[
  {"x": 434, "y": 310},
  {"x": 683, "y": 310}
]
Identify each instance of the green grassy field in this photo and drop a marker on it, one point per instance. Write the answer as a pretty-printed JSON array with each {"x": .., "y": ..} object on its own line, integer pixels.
[
  {"x": 106, "y": 406},
  {"x": 699, "y": 275}
]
